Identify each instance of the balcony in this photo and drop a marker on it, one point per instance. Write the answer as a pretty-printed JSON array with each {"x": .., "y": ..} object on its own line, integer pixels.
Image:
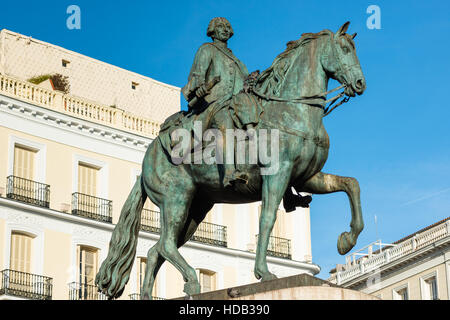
[
  {"x": 211, "y": 234},
  {"x": 25, "y": 285},
  {"x": 91, "y": 207},
  {"x": 84, "y": 291},
  {"x": 137, "y": 296},
  {"x": 28, "y": 191},
  {"x": 278, "y": 247},
  {"x": 77, "y": 107},
  {"x": 150, "y": 221}
]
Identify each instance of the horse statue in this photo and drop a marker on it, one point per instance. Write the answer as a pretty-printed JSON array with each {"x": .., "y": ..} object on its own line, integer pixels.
[{"x": 292, "y": 93}]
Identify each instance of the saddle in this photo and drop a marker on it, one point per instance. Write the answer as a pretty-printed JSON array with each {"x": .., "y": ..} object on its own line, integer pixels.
[{"x": 244, "y": 109}]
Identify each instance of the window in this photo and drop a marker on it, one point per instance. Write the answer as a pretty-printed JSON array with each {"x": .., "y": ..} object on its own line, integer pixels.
[
  {"x": 207, "y": 280},
  {"x": 87, "y": 265},
  {"x": 65, "y": 63},
  {"x": 429, "y": 287},
  {"x": 134, "y": 85},
  {"x": 26, "y": 159},
  {"x": 21, "y": 248},
  {"x": 87, "y": 179},
  {"x": 401, "y": 293},
  {"x": 90, "y": 177},
  {"x": 20, "y": 262},
  {"x": 24, "y": 162}
]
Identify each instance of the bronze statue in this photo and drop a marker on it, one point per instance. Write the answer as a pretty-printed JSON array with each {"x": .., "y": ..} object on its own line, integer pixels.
[{"x": 292, "y": 96}]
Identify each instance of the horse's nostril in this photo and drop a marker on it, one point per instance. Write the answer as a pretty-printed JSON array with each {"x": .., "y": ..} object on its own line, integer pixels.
[{"x": 359, "y": 84}]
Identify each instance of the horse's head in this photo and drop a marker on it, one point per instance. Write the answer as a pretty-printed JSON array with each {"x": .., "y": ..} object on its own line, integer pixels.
[{"x": 342, "y": 64}]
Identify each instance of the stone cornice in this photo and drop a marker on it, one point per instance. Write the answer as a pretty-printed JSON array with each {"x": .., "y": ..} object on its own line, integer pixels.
[{"x": 45, "y": 118}]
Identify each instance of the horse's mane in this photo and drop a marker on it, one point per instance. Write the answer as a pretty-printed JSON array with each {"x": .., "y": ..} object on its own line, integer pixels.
[{"x": 270, "y": 80}]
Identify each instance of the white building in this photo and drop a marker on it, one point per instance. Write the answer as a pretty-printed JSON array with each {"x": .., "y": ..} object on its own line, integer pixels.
[{"x": 416, "y": 267}]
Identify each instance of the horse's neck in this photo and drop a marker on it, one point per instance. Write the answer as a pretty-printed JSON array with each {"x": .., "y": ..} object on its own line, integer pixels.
[{"x": 305, "y": 76}]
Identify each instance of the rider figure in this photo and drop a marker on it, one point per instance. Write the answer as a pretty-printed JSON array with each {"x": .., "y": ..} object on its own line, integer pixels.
[{"x": 212, "y": 61}]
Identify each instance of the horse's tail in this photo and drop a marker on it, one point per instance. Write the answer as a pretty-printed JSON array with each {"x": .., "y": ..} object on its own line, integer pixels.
[{"x": 115, "y": 270}]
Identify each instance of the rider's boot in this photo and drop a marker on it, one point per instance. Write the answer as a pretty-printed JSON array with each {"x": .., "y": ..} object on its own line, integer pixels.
[{"x": 291, "y": 201}]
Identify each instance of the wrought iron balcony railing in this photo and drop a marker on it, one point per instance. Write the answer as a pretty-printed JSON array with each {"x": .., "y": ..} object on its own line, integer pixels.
[
  {"x": 278, "y": 247},
  {"x": 91, "y": 207},
  {"x": 82, "y": 291},
  {"x": 206, "y": 232},
  {"x": 28, "y": 191},
  {"x": 137, "y": 296},
  {"x": 25, "y": 285},
  {"x": 211, "y": 233},
  {"x": 150, "y": 221}
]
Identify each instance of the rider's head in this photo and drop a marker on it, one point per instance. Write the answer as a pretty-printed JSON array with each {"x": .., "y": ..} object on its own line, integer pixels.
[{"x": 220, "y": 28}]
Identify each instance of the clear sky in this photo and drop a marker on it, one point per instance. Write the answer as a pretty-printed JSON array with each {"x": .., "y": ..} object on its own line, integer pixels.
[{"x": 394, "y": 138}]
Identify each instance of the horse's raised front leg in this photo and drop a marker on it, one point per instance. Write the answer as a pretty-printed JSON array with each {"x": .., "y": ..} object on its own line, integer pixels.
[
  {"x": 322, "y": 183},
  {"x": 273, "y": 189}
]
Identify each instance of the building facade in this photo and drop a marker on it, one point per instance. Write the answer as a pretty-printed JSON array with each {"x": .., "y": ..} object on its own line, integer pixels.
[
  {"x": 416, "y": 267},
  {"x": 68, "y": 161}
]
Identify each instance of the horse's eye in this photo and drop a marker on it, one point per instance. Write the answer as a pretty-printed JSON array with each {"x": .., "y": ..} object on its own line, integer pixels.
[{"x": 345, "y": 49}]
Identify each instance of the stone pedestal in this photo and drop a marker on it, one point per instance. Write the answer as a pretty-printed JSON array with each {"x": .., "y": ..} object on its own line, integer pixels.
[{"x": 298, "y": 287}]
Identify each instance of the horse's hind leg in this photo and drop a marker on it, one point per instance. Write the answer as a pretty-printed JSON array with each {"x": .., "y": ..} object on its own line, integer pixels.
[
  {"x": 322, "y": 183},
  {"x": 197, "y": 213},
  {"x": 175, "y": 214}
]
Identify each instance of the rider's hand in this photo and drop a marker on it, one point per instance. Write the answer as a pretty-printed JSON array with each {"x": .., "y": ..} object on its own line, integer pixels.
[{"x": 201, "y": 92}]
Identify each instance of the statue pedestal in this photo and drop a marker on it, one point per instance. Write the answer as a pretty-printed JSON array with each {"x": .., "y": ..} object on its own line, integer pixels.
[{"x": 298, "y": 287}]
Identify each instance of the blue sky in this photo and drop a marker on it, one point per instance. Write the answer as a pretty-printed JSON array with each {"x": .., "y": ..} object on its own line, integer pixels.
[{"x": 394, "y": 139}]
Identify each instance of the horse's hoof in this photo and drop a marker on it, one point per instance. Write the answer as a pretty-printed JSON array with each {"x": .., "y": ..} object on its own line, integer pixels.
[
  {"x": 344, "y": 244},
  {"x": 191, "y": 288},
  {"x": 268, "y": 276},
  {"x": 265, "y": 276}
]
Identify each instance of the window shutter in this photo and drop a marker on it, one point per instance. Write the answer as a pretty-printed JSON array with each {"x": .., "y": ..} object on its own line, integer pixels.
[
  {"x": 87, "y": 180},
  {"x": 24, "y": 163},
  {"x": 20, "y": 258}
]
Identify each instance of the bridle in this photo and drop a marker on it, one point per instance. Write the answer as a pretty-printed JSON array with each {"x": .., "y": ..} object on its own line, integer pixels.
[{"x": 309, "y": 99}]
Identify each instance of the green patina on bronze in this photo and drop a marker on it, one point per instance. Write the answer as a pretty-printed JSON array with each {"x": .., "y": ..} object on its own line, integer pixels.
[{"x": 288, "y": 96}]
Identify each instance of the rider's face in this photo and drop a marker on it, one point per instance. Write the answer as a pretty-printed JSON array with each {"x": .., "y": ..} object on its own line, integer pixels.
[{"x": 222, "y": 31}]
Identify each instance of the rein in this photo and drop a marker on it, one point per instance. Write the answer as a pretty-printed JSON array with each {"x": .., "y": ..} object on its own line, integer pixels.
[{"x": 326, "y": 110}]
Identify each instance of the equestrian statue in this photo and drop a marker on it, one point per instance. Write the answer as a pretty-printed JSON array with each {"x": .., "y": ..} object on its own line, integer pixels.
[{"x": 289, "y": 99}]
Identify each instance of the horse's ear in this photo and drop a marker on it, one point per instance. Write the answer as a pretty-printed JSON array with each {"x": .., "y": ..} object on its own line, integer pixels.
[
  {"x": 343, "y": 29},
  {"x": 354, "y": 35}
]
